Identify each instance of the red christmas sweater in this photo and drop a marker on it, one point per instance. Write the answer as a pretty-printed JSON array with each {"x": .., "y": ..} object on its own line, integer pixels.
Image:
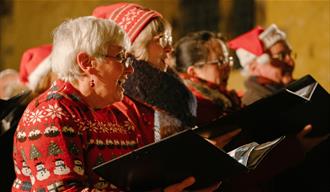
[
  {"x": 59, "y": 139},
  {"x": 141, "y": 115}
]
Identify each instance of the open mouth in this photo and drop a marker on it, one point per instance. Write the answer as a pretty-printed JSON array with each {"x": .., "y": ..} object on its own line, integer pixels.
[{"x": 121, "y": 82}]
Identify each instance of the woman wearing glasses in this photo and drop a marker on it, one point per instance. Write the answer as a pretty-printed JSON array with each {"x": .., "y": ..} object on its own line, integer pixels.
[
  {"x": 157, "y": 102},
  {"x": 203, "y": 61},
  {"x": 204, "y": 64},
  {"x": 54, "y": 144},
  {"x": 161, "y": 101}
]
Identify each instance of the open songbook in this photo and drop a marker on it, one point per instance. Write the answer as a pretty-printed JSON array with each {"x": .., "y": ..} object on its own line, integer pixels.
[
  {"x": 286, "y": 112},
  {"x": 179, "y": 156},
  {"x": 169, "y": 161},
  {"x": 187, "y": 153}
]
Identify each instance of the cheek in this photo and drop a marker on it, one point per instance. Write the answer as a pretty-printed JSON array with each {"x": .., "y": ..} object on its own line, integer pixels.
[
  {"x": 212, "y": 75},
  {"x": 112, "y": 74},
  {"x": 154, "y": 57},
  {"x": 153, "y": 50},
  {"x": 274, "y": 73}
]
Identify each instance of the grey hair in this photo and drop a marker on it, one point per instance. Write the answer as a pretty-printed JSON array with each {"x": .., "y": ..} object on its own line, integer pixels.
[
  {"x": 155, "y": 27},
  {"x": 84, "y": 34}
]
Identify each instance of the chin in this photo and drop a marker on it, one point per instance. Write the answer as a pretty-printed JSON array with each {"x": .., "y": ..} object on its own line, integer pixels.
[{"x": 119, "y": 97}]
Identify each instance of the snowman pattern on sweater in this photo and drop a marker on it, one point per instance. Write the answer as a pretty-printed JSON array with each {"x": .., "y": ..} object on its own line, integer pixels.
[{"x": 59, "y": 139}]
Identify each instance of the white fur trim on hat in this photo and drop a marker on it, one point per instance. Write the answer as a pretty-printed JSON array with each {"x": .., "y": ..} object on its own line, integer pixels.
[
  {"x": 245, "y": 57},
  {"x": 263, "y": 59},
  {"x": 42, "y": 70},
  {"x": 271, "y": 35}
]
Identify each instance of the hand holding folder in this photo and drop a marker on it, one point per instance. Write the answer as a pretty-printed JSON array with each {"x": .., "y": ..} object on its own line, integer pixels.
[{"x": 169, "y": 161}]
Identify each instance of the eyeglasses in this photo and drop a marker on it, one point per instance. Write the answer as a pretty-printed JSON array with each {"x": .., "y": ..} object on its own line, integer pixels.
[
  {"x": 164, "y": 40},
  {"x": 220, "y": 62},
  {"x": 121, "y": 57},
  {"x": 283, "y": 54}
]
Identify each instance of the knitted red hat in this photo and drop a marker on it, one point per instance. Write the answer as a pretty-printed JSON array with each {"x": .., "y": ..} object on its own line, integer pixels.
[
  {"x": 32, "y": 59},
  {"x": 131, "y": 17}
]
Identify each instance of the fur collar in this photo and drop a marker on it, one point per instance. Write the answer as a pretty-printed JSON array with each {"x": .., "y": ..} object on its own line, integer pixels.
[
  {"x": 162, "y": 90},
  {"x": 226, "y": 100}
]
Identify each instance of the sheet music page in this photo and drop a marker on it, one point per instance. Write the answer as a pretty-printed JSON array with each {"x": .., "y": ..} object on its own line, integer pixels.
[{"x": 306, "y": 92}]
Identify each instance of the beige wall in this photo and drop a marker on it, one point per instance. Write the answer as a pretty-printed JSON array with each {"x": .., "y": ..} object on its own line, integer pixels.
[
  {"x": 306, "y": 23},
  {"x": 32, "y": 22}
]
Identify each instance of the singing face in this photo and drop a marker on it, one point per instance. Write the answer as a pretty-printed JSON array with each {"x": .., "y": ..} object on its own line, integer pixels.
[
  {"x": 283, "y": 59},
  {"x": 216, "y": 67},
  {"x": 112, "y": 72},
  {"x": 280, "y": 66},
  {"x": 159, "y": 49}
]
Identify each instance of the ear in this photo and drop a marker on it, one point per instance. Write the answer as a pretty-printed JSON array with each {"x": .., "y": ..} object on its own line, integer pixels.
[
  {"x": 84, "y": 61},
  {"x": 191, "y": 71}
]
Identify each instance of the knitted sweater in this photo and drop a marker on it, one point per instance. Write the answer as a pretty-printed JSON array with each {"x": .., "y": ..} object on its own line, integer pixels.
[{"x": 59, "y": 139}]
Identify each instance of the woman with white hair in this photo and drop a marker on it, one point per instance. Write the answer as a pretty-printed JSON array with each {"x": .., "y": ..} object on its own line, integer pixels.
[
  {"x": 55, "y": 140},
  {"x": 69, "y": 129}
]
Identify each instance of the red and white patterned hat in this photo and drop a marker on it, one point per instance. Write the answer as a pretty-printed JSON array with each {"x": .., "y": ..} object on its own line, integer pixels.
[
  {"x": 131, "y": 17},
  {"x": 34, "y": 63}
]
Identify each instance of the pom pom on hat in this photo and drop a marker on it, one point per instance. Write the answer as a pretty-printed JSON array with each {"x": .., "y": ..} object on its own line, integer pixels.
[
  {"x": 35, "y": 63},
  {"x": 271, "y": 35},
  {"x": 248, "y": 46},
  {"x": 131, "y": 17},
  {"x": 252, "y": 45}
]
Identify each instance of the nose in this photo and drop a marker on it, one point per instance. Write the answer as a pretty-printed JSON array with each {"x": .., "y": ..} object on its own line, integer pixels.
[
  {"x": 168, "y": 48},
  {"x": 289, "y": 60}
]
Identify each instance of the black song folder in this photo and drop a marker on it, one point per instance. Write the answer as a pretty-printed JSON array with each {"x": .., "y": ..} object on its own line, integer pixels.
[{"x": 169, "y": 161}]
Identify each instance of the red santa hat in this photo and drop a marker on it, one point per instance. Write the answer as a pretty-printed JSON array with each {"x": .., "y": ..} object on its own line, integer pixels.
[
  {"x": 35, "y": 63},
  {"x": 253, "y": 44},
  {"x": 131, "y": 17}
]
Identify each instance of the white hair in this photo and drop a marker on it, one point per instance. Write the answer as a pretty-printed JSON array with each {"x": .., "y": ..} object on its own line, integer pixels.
[{"x": 84, "y": 34}]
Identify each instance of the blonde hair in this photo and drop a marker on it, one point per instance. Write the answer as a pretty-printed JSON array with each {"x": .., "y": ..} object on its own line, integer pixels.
[{"x": 157, "y": 26}]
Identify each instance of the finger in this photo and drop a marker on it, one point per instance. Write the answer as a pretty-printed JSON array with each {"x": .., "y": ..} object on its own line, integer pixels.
[
  {"x": 308, "y": 128},
  {"x": 180, "y": 186},
  {"x": 186, "y": 183},
  {"x": 234, "y": 133},
  {"x": 222, "y": 140}
]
